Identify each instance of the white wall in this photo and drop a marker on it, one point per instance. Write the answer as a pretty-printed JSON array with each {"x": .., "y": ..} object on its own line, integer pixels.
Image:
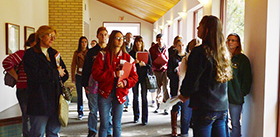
[
  {"x": 187, "y": 6},
  {"x": 33, "y": 13},
  {"x": 271, "y": 68},
  {"x": 100, "y": 13}
]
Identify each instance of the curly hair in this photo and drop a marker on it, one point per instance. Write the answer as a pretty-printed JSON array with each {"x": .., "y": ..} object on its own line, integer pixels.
[{"x": 214, "y": 45}]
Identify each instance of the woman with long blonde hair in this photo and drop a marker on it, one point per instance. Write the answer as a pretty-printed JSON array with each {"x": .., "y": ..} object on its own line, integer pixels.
[{"x": 205, "y": 83}]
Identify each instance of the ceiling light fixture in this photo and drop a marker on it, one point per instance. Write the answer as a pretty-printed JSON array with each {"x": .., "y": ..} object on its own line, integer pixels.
[
  {"x": 203, "y": 2},
  {"x": 182, "y": 14},
  {"x": 169, "y": 21}
]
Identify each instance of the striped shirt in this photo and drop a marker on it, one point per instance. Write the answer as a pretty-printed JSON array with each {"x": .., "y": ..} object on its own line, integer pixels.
[{"x": 12, "y": 61}]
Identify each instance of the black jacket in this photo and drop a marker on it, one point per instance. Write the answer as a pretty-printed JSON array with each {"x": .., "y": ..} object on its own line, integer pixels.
[
  {"x": 201, "y": 85},
  {"x": 142, "y": 71},
  {"x": 43, "y": 81},
  {"x": 173, "y": 63},
  {"x": 87, "y": 68}
]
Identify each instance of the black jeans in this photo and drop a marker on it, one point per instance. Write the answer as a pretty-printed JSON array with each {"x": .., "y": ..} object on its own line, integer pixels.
[{"x": 136, "y": 111}]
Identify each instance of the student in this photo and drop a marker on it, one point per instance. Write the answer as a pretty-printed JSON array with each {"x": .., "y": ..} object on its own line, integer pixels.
[
  {"x": 43, "y": 80},
  {"x": 142, "y": 70},
  {"x": 9, "y": 64},
  {"x": 76, "y": 72},
  {"x": 160, "y": 72},
  {"x": 107, "y": 70},
  {"x": 241, "y": 83},
  {"x": 93, "y": 43},
  {"x": 172, "y": 48},
  {"x": 128, "y": 45},
  {"x": 206, "y": 79},
  {"x": 90, "y": 84},
  {"x": 173, "y": 74}
]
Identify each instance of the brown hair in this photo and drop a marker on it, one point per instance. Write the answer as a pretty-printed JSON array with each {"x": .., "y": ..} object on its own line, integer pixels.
[
  {"x": 239, "y": 48},
  {"x": 192, "y": 44},
  {"x": 111, "y": 46},
  {"x": 176, "y": 38},
  {"x": 138, "y": 38},
  {"x": 30, "y": 40},
  {"x": 214, "y": 45},
  {"x": 101, "y": 29}
]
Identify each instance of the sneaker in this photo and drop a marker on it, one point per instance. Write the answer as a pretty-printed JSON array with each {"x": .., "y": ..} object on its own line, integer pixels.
[
  {"x": 125, "y": 109},
  {"x": 91, "y": 133},
  {"x": 165, "y": 112},
  {"x": 80, "y": 117},
  {"x": 153, "y": 104},
  {"x": 156, "y": 111}
]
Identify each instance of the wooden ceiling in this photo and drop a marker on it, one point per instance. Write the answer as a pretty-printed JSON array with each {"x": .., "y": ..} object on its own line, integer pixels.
[{"x": 148, "y": 10}]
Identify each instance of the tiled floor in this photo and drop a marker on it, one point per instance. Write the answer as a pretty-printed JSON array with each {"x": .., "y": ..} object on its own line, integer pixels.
[{"x": 158, "y": 125}]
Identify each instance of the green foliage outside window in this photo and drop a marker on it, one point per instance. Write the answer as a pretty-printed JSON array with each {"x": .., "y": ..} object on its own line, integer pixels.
[{"x": 235, "y": 18}]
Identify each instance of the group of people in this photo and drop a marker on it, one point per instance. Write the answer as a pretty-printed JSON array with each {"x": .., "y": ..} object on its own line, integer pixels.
[{"x": 210, "y": 79}]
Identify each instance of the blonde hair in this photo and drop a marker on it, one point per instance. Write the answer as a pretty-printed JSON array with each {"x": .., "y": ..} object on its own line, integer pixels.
[
  {"x": 42, "y": 31},
  {"x": 214, "y": 45}
]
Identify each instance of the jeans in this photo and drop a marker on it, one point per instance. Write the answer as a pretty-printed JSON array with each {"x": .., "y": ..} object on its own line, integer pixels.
[
  {"x": 93, "y": 108},
  {"x": 186, "y": 115},
  {"x": 41, "y": 124},
  {"x": 136, "y": 111},
  {"x": 22, "y": 96},
  {"x": 126, "y": 103},
  {"x": 92, "y": 118},
  {"x": 173, "y": 93},
  {"x": 235, "y": 113},
  {"x": 79, "y": 94},
  {"x": 162, "y": 81},
  {"x": 208, "y": 123},
  {"x": 105, "y": 105}
]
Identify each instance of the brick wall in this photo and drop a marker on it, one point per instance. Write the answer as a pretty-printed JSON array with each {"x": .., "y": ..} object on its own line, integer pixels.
[{"x": 66, "y": 16}]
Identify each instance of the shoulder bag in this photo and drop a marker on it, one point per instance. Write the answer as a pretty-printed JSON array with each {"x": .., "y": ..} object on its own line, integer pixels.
[{"x": 151, "y": 80}]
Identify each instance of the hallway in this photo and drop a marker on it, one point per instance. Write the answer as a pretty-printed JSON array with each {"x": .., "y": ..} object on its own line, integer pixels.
[{"x": 158, "y": 124}]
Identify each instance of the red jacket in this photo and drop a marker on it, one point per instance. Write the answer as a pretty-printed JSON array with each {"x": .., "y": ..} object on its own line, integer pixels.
[
  {"x": 155, "y": 52},
  {"x": 104, "y": 73}
]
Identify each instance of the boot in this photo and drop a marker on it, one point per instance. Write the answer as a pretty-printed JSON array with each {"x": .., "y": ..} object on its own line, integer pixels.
[{"x": 174, "y": 123}]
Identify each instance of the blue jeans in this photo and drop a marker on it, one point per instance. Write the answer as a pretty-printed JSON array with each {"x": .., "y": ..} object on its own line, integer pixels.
[
  {"x": 126, "y": 103},
  {"x": 22, "y": 96},
  {"x": 92, "y": 118},
  {"x": 186, "y": 115},
  {"x": 79, "y": 94},
  {"x": 93, "y": 108},
  {"x": 105, "y": 108},
  {"x": 235, "y": 113},
  {"x": 136, "y": 111},
  {"x": 208, "y": 123},
  {"x": 41, "y": 124}
]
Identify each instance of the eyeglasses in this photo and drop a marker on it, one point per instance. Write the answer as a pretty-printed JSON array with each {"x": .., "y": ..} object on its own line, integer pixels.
[
  {"x": 51, "y": 36},
  {"x": 118, "y": 38},
  {"x": 228, "y": 40}
]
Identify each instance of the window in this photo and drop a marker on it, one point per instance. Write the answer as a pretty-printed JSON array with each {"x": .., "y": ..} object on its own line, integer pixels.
[
  {"x": 134, "y": 28},
  {"x": 233, "y": 17},
  {"x": 198, "y": 14}
]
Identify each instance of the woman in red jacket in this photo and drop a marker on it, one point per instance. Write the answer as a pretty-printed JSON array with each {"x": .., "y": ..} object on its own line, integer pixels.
[{"x": 107, "y": 70}]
